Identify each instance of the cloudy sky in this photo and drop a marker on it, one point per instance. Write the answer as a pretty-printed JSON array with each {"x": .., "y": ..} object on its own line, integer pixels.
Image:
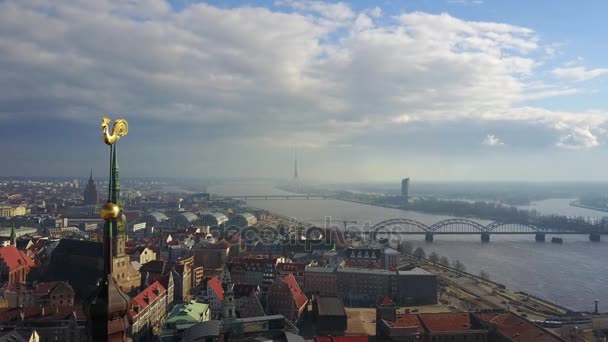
[{"x": 365, "y": 90}]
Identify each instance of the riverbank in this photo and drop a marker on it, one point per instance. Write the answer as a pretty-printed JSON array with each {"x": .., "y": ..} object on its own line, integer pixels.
[{"x": 578, "y": 205}]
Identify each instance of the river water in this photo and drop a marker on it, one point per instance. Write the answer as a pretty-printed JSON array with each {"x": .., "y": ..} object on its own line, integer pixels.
[{"x": 572, "y": 274}]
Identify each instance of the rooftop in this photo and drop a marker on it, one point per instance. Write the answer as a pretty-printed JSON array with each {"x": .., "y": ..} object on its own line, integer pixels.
[
  {"x": 517, "y": 328},
  {"x": 445, "y": 322},
  {"x": 147, "y": 296},
  {"x": 330, "y": 306},
  {"x": 15, "y": 258},
  {"x": 407, "y": 321},
  {"x": 191, "y": 312},
  {"x": 216, "y": 286},
  {"x": 415, "y": 271}
]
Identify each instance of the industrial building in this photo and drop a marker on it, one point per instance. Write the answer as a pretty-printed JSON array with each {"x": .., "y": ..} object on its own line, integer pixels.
[
  {"x": 213, "y": 219},
  {"x": 154, "y": 218},
  {"x": 243, "y": 220},
  {"x": 186, "y": 219}
]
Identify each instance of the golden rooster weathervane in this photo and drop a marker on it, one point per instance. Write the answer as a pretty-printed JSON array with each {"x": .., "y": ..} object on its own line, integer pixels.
[{"x": 120, "y": 129}]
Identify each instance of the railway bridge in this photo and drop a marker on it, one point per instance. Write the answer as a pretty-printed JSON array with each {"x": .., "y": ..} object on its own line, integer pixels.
[
  {"x": 272, "y": 197},
  {"x": 463, "y": 226}
]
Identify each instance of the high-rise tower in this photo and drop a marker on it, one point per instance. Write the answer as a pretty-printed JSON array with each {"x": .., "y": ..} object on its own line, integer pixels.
[
  {"x": 107, "y": 310},
  {"x": 91, "y": 197},
  {"x": 295, "y": 167},
  {"x": 405, "y": 189}
]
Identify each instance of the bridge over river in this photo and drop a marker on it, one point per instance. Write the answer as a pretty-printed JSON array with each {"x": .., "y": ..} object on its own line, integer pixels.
[
  {"x": 462, "y": 226},
  {"x": 273, "y": 197}
]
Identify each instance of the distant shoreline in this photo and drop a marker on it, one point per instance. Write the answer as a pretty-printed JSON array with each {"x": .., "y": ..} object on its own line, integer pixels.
[{"x": 578, "y": 205}]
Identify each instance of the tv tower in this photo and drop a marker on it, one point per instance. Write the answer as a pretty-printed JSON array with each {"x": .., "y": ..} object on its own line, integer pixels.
[{"x": 295, "y": 167}]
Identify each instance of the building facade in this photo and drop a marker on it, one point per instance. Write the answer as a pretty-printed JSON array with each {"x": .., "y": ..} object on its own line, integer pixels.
[
  {"x": 286, "y": 298},
  {"x": 147, "y": 310},
  {"x": 320, "y": 280}
]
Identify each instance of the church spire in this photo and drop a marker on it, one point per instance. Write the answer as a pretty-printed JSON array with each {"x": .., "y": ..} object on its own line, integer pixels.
[
  {"x": 13, "y": 236},
  {"x": 108, "y": 308},
  {"x": 91, "y": 176}
]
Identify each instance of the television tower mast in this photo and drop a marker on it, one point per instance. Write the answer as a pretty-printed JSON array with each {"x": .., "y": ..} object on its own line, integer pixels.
[{"x": 295, "y": 167}]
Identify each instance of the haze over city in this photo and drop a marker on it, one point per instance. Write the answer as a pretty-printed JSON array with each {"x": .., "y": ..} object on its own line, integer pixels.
[{"x": 374, "y": 91}]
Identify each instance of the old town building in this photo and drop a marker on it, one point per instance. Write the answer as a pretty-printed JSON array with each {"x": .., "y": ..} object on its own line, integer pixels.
[
  {"x": 14, "y": 265},
  {"x": 147, "y": 311},
  {"x": 286, "y": 298},
  {"x": 297, "y": 269}
]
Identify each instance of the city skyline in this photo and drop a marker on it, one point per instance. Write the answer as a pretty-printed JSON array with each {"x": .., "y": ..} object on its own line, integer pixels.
[{"x": 445, "y": 90}]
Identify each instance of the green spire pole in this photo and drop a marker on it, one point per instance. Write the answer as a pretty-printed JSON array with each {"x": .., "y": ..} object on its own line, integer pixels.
[{"x": 13, "y": 235}]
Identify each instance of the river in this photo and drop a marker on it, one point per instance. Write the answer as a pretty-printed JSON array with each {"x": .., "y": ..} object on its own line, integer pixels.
[{"x": 571, "y": 274}]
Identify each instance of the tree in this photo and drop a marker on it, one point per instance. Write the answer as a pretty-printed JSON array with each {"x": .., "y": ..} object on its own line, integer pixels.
[
  {"x": 444, "y": 261},
  {"x": 419, "y": 253},
  {"x": 484, "y": 275},
  {"x": 434, "y": 257},
  {"x": 459, "y": 266},
  {"x": 406, "y": 247}
]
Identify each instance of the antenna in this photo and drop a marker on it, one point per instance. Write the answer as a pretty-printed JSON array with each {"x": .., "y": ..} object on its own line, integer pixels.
[{"x": 295, "y": 166}]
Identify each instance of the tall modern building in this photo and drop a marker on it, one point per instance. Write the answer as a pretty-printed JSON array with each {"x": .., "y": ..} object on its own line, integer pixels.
[
  {"x": 405, "y": 189},
  {"x": 90, "y": 192}
]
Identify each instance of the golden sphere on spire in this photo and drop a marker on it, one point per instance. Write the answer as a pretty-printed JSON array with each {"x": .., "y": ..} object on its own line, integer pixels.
[{"x": 109, "y": 211}]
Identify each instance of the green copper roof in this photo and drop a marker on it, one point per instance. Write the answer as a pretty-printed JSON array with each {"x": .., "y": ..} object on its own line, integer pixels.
[{"x": 192, "y": 312}]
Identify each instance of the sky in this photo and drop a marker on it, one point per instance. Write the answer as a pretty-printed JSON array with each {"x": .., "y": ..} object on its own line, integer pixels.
[{"x": 362, "y": 91}]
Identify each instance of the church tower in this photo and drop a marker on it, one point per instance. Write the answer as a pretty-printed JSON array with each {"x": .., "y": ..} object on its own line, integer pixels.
[
  {"x": 229, "y": 303},
  {"x": 107, "y": 310},
  {"x": 90, "y": 192},
  {"x": 13, "y": 236}
]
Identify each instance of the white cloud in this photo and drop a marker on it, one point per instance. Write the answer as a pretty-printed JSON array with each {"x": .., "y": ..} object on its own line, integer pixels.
[
  {"x": 579, "y": 73},
  {"x": 492, "y": 140},
  {"x": 252, "y": 68},
  {"x": 578, "y": 138}
]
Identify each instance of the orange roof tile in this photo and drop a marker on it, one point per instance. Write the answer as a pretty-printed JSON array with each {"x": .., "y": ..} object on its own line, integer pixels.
[
  {"x": 145, "y": 297},
  {"x": 406, "y": 321},
  {"x": 216, "y": 287},
  {"x": 297, "y": 294},
  {"x": 446, "y": 322},
  {"x": 517, "y": 328},
  {"x": 15, "y": 258}
]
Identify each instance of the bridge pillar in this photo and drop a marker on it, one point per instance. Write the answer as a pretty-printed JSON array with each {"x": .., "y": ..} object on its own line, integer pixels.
[
  {"x": 428, "y": 237},
  {"x": 540, "y": 237},
  {"x": 485, "y": 237},
  {"x": 595, "y": 237}
]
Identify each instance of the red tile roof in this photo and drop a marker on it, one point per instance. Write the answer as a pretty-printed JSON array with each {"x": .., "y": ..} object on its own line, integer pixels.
[
  {"x": 517, "y": 328},
  {"x": 216, "y": 286},
  {"x": 406, "y": 321},
  {"x": 446, "y": 322},
  {"x": 15, "y": 258},
  {"x": 298, "y": 296},
  {"x": 147, "y": 296}
]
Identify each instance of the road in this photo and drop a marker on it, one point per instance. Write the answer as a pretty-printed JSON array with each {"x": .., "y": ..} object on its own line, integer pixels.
[{"x": 484, "y": 295}]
